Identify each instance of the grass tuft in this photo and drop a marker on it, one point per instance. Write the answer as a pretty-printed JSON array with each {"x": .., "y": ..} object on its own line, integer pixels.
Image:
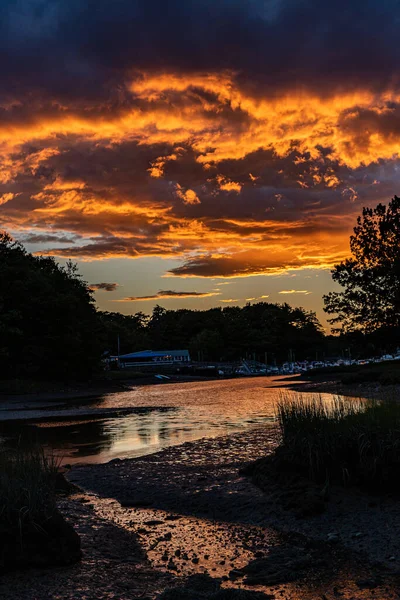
[
  {"x": 27, "y": 487},
  {"x": 346, "y": 441}
]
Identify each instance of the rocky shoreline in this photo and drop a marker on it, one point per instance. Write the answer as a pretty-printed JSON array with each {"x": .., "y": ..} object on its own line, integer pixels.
[
  {"x": 203, "y": 479},
  {"x": 156, "y": 522}
]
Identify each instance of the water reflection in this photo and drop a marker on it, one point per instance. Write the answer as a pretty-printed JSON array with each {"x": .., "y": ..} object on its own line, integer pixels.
[{"x": 159, "y": 416}]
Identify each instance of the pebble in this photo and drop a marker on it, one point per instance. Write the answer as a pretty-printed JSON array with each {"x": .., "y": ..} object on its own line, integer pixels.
[{"x": 358, "y": 534}]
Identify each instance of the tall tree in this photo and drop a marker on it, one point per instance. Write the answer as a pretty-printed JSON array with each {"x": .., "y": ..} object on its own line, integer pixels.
[
  {"x": 124, "y": 333},
  {"x": 371, "y": 277},
  {"x": 48, "y": 322}
]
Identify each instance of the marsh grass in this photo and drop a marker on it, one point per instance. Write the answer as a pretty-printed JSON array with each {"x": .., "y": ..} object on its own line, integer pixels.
[
  {"x": 27, "y": 488},
  {"x": 385, "y": 373},
  {"x": 347, "y": 441}
]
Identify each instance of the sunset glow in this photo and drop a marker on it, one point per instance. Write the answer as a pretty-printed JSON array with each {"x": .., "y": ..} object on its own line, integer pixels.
[{"x": 223, "y": 167}]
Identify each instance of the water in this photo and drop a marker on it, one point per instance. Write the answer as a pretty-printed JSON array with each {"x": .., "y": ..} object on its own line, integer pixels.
[{"x": 158, "y": 416}]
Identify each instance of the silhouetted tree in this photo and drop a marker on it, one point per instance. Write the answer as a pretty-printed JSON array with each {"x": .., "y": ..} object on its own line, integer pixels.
[
  {"x": 237, "y": 332},
  {"x": 48, "y": 321},
  {"x": 371, "y": 278},
  {"x": 126, "y": 331},
  {"x": 206, "y": 345}
]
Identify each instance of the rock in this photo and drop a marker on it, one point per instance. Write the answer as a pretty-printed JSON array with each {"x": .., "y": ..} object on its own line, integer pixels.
[
  {"x": 63, "y": 486},
  {"x": 369, "y": 584},
  {"x": 337, "y": 593},
  {"x": 54, "y": 543},
  {"x": 333, "y": 537},
  {"x": 153, "y": 522},
  {"x": 235, "y": 574},
  {"x": 171, "y": 565},
  {"x": 283, "y": 564}
]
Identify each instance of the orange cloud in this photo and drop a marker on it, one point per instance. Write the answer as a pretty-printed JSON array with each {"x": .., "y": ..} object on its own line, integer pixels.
[
  {"x": 166, "y": 295},
  {"x": 144, "y": 177},
  {"x": 103, "y": 286},
  {"x": 187, "y": 196},
  {"x": 305, "y": 292},
  {"x": 4, "y": 198},
  {"x": 227, "y": 185}
]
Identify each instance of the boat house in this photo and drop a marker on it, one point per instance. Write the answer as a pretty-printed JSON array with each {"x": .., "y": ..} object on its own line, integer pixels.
[{"x": 154, "y": 358}]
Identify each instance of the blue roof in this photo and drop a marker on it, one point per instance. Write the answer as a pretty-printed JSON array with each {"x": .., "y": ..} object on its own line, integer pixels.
[{"x": 155, "y": 353}]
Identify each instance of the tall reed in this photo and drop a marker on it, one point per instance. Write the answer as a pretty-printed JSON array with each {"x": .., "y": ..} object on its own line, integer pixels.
[{"x": 354, "y": 441}]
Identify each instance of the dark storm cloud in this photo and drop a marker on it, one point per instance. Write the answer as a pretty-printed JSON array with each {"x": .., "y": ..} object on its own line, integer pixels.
[
  {"x": 360, "y": 124},
  {"x": 166, "y": 294},
  {"x": 37, "y": 238},
  {"x": 102, "y": 247},
  {"x": 103, "y": 286},
  {"x": 246, "y": 264},
  {"x": 236, "y": 137},
  {"x": 85, "y": 48},
  {"x": 106, "y": 197}
]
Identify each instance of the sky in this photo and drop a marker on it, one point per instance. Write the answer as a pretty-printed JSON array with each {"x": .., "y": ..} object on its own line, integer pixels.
[{"x": 197, "y": 153}]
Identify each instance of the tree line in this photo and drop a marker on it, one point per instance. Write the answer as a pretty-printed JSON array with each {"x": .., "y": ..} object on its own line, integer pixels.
[
  {"x": 50, "y": 327},
  {"x": 257, "y": 331}
]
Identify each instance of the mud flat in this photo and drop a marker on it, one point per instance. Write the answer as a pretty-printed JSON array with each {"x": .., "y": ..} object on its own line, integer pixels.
[{"x": 164, "y": 520}]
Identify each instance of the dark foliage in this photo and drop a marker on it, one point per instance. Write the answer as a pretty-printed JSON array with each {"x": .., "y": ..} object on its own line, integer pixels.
[
  {"x": 48, "y": 322},
  {"x": 126, "y": 333},
  {"x": 233, "y": 332},
  {"x": 371, "y": 278},
  {"x": 263, "y": 330}
]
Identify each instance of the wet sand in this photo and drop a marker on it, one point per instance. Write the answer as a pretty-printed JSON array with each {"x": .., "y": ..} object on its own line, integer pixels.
[
  {"x": 152, "y": 522},
  {"x": 202, "y": 479}
]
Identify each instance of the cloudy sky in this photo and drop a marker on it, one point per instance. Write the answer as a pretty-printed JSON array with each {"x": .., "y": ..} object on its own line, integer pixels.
[{"x": 197, "y": 153}]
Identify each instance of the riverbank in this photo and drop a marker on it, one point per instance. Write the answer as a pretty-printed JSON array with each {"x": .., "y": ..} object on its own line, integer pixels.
[
  {"x": 59, "y": 394},
  {"x": 367, "y": 380},
  {"x": 333, "y": 385},
  {"x": 203, "y": 478},
  {"x": 153, "y": 522},
  {"x": 85, "y": 391}
]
